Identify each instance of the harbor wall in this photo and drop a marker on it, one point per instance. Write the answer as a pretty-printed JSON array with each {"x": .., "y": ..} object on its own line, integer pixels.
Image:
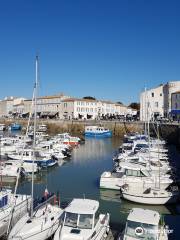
[{"x": 170, "y": 131}]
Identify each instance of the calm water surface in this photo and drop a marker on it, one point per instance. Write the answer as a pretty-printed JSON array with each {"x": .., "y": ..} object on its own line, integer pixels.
[{"x": 79, "y": 177}]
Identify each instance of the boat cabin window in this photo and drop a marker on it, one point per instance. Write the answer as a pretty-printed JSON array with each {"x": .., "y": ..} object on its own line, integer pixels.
[
  {"x": 85, "y": 221},
  {"x": 141, "y": 230},
  {"x": 135, "y": 173},
  {"x": 142, "y": 145},
  {"x": 127, "y": 147},
  {"x": 71, "y": 219}
]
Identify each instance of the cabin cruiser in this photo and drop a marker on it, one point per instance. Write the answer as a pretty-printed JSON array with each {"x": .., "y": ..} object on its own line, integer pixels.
[
  {"x": 28, "y": 167},
  {"x": 67, "y": 139},
  {"x": 15, "y": 126},
  {"x": 81, "y": 220},
  {"x": 144, "y": 224},
  {"x": 137, "y": 176},
  {"x": 20, "y": 204},
  {"x": 29, "y": 155},
  {"x": 96, "y": 131},
  {"x": 154, "y": 167},
  {"x": 10, "y": 172}
]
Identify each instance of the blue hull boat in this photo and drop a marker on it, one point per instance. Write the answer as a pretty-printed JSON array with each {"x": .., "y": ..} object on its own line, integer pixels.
[
  {"x": 95, "y": 134},
  {"x": 15, "y": 126},
  {"x": 95, "y": 131},
  {"x": 44, "y": 163}
]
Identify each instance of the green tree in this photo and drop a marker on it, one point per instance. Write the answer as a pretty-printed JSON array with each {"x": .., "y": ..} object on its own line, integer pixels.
[
  {"x": 89, "y": 97},
  {"x": 135, "y": 105}
]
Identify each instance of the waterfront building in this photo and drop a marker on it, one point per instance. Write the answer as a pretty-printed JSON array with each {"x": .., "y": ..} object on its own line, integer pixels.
[
  {"x": 65, "y": 107},
  {"x": 9, "y": 105},
  {"x": 76, "y": 108},
  {"x": 156, "y": 102},
  {"x": 175, "y": 105}
]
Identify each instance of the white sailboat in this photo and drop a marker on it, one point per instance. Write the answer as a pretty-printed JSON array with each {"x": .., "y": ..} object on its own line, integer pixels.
[
  {"x": 20, "y": 204},
  {"x": 43, "y": 222},
  {"x": 150, "y": 196}
]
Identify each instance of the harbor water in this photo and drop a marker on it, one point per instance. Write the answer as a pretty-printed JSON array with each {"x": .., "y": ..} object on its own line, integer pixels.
[{"x": 78, "y": 177}]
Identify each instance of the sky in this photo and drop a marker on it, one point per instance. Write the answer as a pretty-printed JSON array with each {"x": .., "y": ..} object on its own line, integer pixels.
[{"x": 108, "y": 49}]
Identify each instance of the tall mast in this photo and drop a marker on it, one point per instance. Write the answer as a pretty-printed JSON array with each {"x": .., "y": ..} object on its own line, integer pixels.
[
  {"x": 145, "y": 111},
  {"x": 34, "y": 134}
]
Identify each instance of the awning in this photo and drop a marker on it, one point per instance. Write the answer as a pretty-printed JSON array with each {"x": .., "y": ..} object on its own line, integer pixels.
[
  {"x": 52, "y": 114},
  {"x": 175, "y": 111},
  {"x": 45, "y": 113}
]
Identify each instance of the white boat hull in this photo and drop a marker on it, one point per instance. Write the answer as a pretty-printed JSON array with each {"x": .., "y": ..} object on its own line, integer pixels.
[
  {"x": 149, "y": 199},
  {"x": 19, "y": 211},
  {"x": 109, "y": 182}
]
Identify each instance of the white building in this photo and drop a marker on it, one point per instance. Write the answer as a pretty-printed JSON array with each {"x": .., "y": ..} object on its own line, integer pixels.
[
  {"x": 75, "y": 108},
  {"x": 175, "y": 105},
  {"x": 157, "y": 101},
  {"x": 151, "y": 103}
]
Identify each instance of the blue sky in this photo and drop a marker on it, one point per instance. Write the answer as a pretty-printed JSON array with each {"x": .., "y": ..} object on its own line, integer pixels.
[{"x": 110, "y": 49}]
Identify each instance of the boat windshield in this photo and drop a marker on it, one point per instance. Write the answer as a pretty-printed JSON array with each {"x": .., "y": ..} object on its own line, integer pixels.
[
  {"x": 141, "y": 230},
  {"x": 71, "y": 219},
  {"x": 85, "y": 221},
  {"x": 75, "y": 220}
]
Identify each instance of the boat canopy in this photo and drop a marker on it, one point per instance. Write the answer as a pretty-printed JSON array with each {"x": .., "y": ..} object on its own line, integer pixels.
[
  {"x": 132, "y": 166},
  {"x": 83, "y": 206},
  {"x": 144, "y": 216}
]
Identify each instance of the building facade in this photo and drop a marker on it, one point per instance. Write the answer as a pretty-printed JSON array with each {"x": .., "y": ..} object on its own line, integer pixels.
[
  {"x": 175, "y": 105},
  {"x": 156, "y": 102},
  {"x": 75, "y": 108}
]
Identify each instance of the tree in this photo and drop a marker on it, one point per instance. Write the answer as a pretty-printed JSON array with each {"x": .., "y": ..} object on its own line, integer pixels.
[
  {"x": 89, "y": 97},
  {"x": 135, "y": 105},
  {"x": 120, "y": 103}
]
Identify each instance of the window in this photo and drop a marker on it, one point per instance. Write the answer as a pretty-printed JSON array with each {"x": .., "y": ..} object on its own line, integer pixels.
[
  {"x": 156, "y": 104},
  {"x": 152, "y": 94},
  {"x": 85, "y": 221},
  {"x": 71, "y": 219},
  {"x": 176, "y": 105}
]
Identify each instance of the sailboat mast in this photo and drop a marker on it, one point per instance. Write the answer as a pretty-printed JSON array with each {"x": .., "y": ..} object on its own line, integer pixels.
[
  {"x": 145, "y": 111},
  {"x": 34, "y": 133}
]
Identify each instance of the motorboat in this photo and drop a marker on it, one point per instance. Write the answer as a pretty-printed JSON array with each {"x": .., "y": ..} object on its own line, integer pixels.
[
  {"x": 97, "y": 131},
  {"x": 144, "y": 224},
  {"x": 10, "y": 172},
  {"x": 29, "y": 155},
  {"x": 15, "y": 126},
  {"x": 151, "y": 196},
  {"x": 28, "y": 167},
  {"x": 136, "y": 176},
  {"x": 82, "y": 221},
  {"x": 19, "y": 203}
]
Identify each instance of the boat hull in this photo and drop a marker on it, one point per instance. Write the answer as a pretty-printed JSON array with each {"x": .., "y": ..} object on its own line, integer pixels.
[
  {"x": 19, "y": 211},
  {"x": 98, "y": 134},
  {"x": 150, "y": 200},
  {"x": 107, "y": 181}
]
